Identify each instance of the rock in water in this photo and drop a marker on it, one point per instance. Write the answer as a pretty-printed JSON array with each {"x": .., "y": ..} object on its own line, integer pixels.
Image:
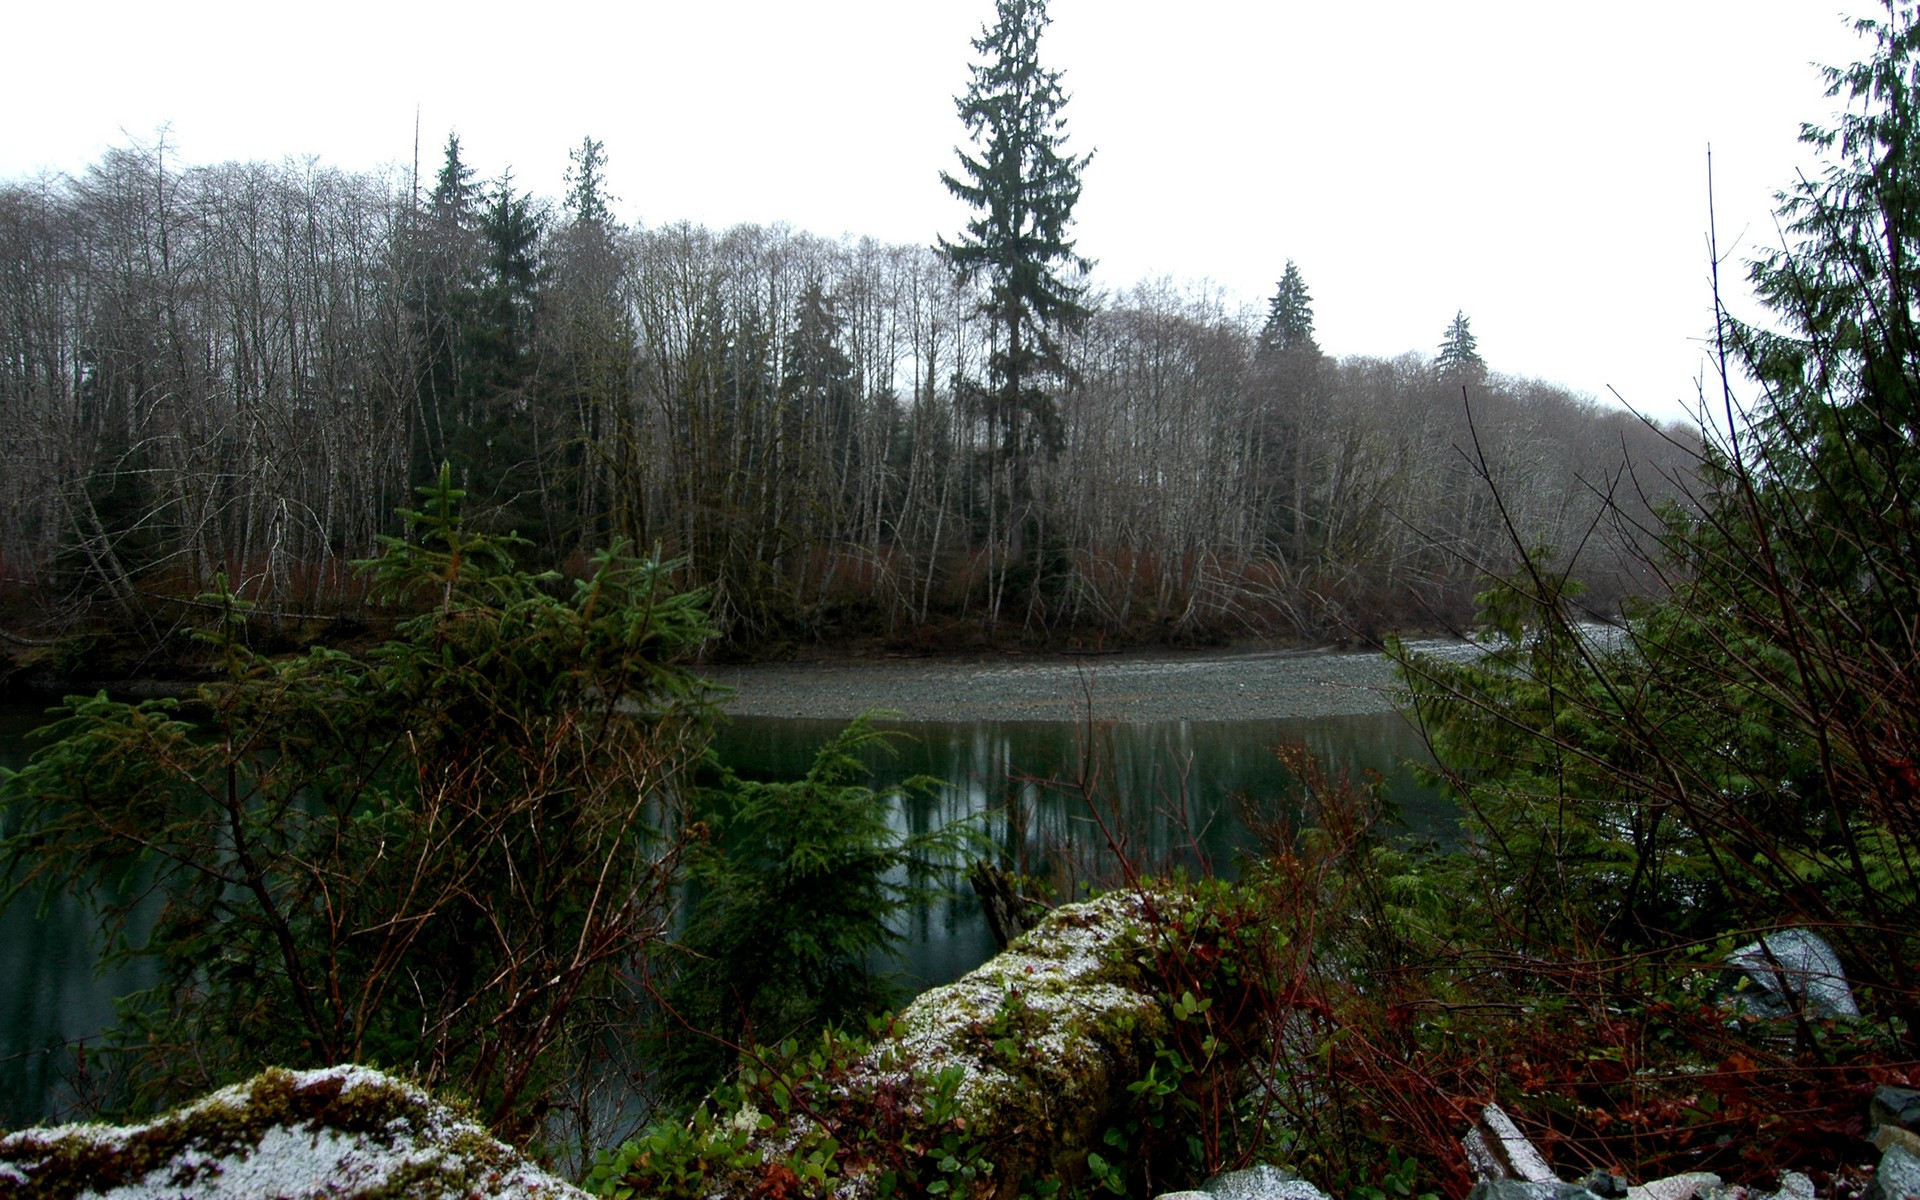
[
  {"x": 340, "y": 1133},
  {"x": 1790, "y": 969}
]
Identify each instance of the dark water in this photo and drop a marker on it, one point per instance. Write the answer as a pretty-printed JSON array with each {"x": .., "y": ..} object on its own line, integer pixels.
[
  {"x": 1057, "y": 797},
  {"x": 1053, "y": 796},
  {"x": 53, "y": 996}
]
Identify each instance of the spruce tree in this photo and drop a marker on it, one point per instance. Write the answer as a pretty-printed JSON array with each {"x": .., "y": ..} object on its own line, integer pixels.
[
  {"x": 588, "y": 338},
  {"x": 587, "y": 197},
  {"x": 500, "y": 440},
  {"x": 1459, "y": 359},
  {"x": 1023, "y": 186},
  {"x": 455, "y": 195},
  {"x": 1289, "y": 315},
  {"x": 443, "y": 277},
  {"x": 1290, "y": 376}
]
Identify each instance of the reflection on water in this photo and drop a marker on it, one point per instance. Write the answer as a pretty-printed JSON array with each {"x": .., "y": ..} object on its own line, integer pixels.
[
  {"x": 1055, "y": 796},
  {"x": 1052, "y": 794}
]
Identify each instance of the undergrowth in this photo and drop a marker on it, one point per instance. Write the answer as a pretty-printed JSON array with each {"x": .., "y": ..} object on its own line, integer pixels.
[{"x": 1344, "y": 1010}]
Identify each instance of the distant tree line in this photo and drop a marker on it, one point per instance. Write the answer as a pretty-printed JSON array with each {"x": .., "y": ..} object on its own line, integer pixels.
[{"x": 244, "y": 370}]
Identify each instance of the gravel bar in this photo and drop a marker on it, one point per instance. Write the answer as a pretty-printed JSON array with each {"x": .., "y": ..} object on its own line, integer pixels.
[{"x": 1235, "y": 685}]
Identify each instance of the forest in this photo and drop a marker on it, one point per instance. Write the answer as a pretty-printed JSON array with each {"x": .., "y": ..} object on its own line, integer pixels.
[
  {"x": 241, "y": 371},
  {"x": 564, "y": 457}
]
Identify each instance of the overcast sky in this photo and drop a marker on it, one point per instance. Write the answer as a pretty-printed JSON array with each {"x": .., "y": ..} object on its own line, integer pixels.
[{"x": 1541, "y": 166}]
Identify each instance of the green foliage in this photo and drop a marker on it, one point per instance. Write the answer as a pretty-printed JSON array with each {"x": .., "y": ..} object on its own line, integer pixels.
[
  {"x": 1459, "y": 357},
  {"x": 1739, "y": 756},
  {"x": 1742, "y": 753},
  {"x": 1289, "y": 324},
  {"x": 824, "y": 1117},
  {"x": 439, "y": 855},
  {"x": 1530, "y": 736},
  {"x": 799, "y": 886},
  {"x": 1399, "y": 1180},
  {"x": 1024, "y": 187},
  {"x": 587, "y": 197}
]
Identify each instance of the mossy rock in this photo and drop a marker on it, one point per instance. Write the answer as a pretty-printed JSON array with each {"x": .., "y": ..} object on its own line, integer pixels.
[
  {"x": 1047, "y": 1034},
  {"x": 342, "y": 1132}
]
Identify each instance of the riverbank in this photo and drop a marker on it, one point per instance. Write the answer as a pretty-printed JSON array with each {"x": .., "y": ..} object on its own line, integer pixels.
[
  {"x": 1243, "y": 683},
  {"x": 1230, "y": 685}
]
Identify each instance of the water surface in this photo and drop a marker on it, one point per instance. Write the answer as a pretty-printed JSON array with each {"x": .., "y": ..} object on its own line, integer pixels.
[{"x": 1053, "y": 796}]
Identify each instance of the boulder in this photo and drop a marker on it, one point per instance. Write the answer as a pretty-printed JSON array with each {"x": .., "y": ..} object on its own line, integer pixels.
[
  {"x": 1897, "y": 1177},
  {"x": 1895, "y": 1106},
  {"x": 1788, "y": 970},
  {"x": 1794, "y": 1186},
  {"x": 340, "y": 1133},
  {"x": 1045, "y": 1036},
  {"x": 1676, "y": 1187},
  {"x": 1528, "y": 1189},
  {"x": 1885, "y": 1136},
  {"x": 1260, "y": 1183}
]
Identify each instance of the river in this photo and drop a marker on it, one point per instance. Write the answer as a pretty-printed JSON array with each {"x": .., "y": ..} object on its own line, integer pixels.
[{"x": 1170, "y": 753}]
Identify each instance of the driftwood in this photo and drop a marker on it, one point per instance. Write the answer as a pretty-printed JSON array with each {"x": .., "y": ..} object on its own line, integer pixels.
[{"x": 1002, "y": 903}]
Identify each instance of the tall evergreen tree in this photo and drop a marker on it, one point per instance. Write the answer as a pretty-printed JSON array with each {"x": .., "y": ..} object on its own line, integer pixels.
[
  {"x": 1023, "y": 185},
  {"x": 456, "y": 197},
  {"x": 1289, "y": 315},
  {"x": 1291, "y": 378},
  {"x": 590, "y": 348},
  {"x": 441, "y": 301},
  {"x": 587, "y": 199},
  {"x": 1459, "y": 359},
  {"x": 504, "y": 432},
  {"x": 817, "y": 382}
]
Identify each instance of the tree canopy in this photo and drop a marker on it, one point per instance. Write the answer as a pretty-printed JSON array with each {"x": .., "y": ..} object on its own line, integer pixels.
[
  {"x": 1459, "y": 357},
  {"x": 1289, "y": 315},
  {"x": 1023, "y": 185}
]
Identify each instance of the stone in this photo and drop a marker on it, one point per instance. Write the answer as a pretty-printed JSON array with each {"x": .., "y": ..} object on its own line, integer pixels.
[
  {"x": 1606, "y": 1185},
  {"x": 1070, "y": 999},
  {"x": 1675, "y": 1187},
  {"x": 1031, "y": 1053},
  {"x": 1791, "y": 969},
  {"x": 1895, "y": 1106},
  {"x": 341, "y": 1132},
  {"x": 1260, "y": 1183},
  {"x": 1528, "y": 1189},
  {"x": 1794, "y": 1186},
  {"x": 1885, "y": 1136},
  {"x": 1897, "y": 1177},
  {"x": 1496, "y": 1149}
]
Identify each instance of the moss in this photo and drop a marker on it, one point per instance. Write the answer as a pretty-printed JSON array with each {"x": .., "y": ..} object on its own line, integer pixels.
[
  {"x": 435, "y": 1151},
  {"x": 1048, "y": 1034}
]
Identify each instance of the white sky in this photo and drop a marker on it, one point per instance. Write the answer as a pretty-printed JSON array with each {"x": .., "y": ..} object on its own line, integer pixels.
[{"x": 1539, "y": 164}]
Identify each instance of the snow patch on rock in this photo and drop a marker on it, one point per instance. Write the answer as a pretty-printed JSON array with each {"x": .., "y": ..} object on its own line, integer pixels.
[{"x": 346, "y": 1133}]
